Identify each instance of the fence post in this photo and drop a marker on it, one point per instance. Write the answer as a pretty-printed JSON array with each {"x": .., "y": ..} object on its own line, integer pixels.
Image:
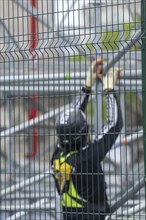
[{"x": 143, "y": 24}]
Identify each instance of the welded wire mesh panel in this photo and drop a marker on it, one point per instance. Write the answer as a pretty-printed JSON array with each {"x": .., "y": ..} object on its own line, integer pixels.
[{"x": 72, "y": 91}]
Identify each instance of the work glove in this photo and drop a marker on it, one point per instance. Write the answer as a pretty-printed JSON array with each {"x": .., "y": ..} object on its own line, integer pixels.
[
  {"x": 93, "y": 73},
  {"x": 111, "y": 79}
]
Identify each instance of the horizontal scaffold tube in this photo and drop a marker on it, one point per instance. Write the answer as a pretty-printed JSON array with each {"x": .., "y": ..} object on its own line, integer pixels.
[
  {"x": 59, "y": 89},
  {"x": 127, "y": 74}
]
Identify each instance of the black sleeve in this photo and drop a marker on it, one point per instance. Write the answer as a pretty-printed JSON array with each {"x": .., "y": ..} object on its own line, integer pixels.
[
  {"x": 82, "y": 100},
  {"x": 111, "y": 129}
]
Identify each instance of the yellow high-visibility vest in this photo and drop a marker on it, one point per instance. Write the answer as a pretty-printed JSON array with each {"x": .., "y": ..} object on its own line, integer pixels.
[{"x": 62, "y": 175}]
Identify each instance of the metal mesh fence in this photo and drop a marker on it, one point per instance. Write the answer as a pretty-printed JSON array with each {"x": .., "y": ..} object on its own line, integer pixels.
[{"x": 64, "y": 151}]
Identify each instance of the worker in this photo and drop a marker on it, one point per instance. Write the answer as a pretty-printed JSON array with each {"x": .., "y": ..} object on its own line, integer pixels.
[{"x": 76, "y": 161}]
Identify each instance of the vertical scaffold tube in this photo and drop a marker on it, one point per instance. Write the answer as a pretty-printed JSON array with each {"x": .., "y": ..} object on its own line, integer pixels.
[
  {"x": 33, "y": 111},
  {"x": 33, "y": 30}
]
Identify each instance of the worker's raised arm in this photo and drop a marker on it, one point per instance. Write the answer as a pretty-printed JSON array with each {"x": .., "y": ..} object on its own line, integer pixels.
[
  {"x": 114, "y": 121},
  {"x": 82, "y": 101}
]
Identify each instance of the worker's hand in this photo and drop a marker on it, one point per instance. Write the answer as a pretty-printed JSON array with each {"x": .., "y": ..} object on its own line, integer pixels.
[
  {"x": 93, "y": 73},
  {"x": 111, "y": 79}
]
